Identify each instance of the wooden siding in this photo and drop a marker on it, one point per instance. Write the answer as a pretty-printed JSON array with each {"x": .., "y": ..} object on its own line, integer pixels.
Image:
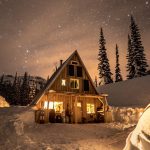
[
  {"x": 63, "y": 75},
  {"x": 71, "y": 101}
]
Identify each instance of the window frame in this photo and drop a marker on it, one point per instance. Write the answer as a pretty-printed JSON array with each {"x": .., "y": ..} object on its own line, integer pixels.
[
  {"x": 78, "y": 83},
  {"x": 63, "y": 82},
  {"x": 90, "y": 112}
]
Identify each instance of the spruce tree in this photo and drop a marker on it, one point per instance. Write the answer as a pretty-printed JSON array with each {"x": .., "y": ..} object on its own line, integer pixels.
[
  {"x": 32, "y": 90},
  {"x": 118, "y": 76},
  {"x": 24, "y": 91},
  {"x": 16, "y": 91},
  {"x": 139, "y": 59},
  {"x": 103, "y": 66},
  {"x": 130, "y": 66}
]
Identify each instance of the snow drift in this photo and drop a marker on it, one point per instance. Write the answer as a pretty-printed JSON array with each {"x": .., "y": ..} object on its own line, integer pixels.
[
  {"x": 140, "y": 137},
  {"x": 134, "y": 92}
]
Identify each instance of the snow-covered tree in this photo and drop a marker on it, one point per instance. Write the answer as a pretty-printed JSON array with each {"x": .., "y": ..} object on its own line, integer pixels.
[
  {"x": 32, "y": 90},
  {"x": 118, "y": 76},
  {"x": 103, "y": 66},
  {"x": 139, "y": 59},
  {"x": 130, "y": 67},
  {"x": 24, "y": 91}
]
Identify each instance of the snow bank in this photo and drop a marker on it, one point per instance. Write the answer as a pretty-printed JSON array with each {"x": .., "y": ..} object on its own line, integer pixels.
[
  {"x": 134, "y": 92},
  {"x": 27, "y": 116},
  {"x": 140, "y": 137},
  {"x": 3, "y": 102},
  {"x": 126, "y": 115}
]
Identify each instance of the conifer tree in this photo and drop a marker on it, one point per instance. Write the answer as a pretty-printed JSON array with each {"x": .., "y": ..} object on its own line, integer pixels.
[
  {"x": 103, "y": 66},
  {"x": 139, "y": 59},
  {"x": 2, "y": 79},
  {"x": 118, "y": 76},
  {"x": 24, "y": 91},
  {"x": 16, "y": 91},
  {"x": 2, "y": 85},
  {"x": 130, "y": 66},
  {"x": 32, "y": 90}
]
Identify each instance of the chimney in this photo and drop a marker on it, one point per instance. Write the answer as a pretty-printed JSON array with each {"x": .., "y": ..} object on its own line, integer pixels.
[{"x": 61, "y": 62}]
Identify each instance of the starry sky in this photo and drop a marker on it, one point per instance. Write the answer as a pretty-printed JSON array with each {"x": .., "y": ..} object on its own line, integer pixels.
[{"x": 36, "y": 34}]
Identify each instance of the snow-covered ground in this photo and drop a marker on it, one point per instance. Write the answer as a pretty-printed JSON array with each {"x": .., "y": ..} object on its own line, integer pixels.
[{"x": 19, "y": 132}]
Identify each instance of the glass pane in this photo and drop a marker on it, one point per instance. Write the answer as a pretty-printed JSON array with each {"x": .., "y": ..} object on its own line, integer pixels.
[{"x": 45, "y": 104}]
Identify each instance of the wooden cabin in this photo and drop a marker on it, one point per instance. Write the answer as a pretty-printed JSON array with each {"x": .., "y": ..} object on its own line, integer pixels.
[{"x": 70, "y": 95}]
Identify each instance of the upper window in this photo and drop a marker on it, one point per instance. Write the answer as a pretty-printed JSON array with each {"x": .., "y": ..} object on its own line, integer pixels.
[
  {"x": 71, "y": 70},
  {"x": 74, "y": 83},
  {"x": 63, "y": 82},
  {"x": 79, "y": 71},
  {"x": 86, "y": 85},
  {"x": 74, "y": 62}
]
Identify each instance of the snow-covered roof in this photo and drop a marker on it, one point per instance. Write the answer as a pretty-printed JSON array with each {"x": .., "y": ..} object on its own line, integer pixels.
[{"x": 133, "y": 92}]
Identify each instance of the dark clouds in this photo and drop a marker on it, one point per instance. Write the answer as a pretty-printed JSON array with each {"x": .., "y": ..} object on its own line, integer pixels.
[{"x": 35, "y": 34}]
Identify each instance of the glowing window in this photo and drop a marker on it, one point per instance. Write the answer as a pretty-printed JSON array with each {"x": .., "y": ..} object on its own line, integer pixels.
[
  {"x": 74, "y": 83},
  {"x": 79, "y": 104},
  {"x": 63, "y": 82},
  {"x": 90, "y": 108},
  {"x": 58, "y": 106},
  {"x": 45, "y": 104}
]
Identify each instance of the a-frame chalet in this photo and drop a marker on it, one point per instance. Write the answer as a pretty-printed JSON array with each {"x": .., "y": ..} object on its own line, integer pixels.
[{"x": 70, "y": 95}]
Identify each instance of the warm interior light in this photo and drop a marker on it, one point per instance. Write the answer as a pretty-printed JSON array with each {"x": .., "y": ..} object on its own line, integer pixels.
[
  {"x": 45, "y": 104},
  {"x": 90, "y": 108},
  {"x": 63, "y": 82}
]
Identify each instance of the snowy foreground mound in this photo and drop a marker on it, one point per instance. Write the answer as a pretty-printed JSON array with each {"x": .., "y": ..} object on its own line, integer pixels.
[
  {"x": 135, "y": 92},
  {"x": 18, "y": 131},
  {"x": 140, "y": 137}
]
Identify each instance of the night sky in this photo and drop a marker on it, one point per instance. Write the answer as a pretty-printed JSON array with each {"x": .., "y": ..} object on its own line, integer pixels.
[{"x": 36, "y": 34}]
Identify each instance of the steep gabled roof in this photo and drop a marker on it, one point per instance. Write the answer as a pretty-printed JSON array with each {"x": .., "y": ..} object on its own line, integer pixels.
[{"x": 56, "y": 74}]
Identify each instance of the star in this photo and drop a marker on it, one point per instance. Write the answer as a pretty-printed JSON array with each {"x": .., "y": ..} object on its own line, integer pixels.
[{"x": 146, "y": 2}]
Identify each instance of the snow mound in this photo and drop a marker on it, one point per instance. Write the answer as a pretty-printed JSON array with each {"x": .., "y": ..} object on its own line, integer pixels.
[
  {"x": 3, "y": 102},
  {"x": 126, "y": 115},
  {"x": 139, "y": 138},
  {"x": 26, "y": 116},
  {"x": 134, "y": 92}
]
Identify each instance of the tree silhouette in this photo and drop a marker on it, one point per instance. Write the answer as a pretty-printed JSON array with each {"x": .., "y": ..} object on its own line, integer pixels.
[
  {"x": 103, "y": 66},
  {"x": 118, "y": 76}
]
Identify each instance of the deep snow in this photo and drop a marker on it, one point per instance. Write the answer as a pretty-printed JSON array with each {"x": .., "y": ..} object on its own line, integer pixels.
[
  {"x": 134, "y": 92},
  {"x": 19, "y": 132}
]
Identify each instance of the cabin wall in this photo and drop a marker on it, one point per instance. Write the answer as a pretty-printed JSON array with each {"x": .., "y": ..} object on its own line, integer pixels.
[
  {"x": 64, "y": 75},
  {"x": 78, "y": 112}
]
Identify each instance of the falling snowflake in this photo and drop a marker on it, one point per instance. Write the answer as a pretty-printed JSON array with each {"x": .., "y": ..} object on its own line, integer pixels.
[
  {"x": 146, "y": 2},
  {"x": 59, "y": 26},
  {"x": 27, "y": 51}
]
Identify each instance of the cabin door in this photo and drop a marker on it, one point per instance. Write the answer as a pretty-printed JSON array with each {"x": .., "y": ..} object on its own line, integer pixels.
[{"x": 79, "y": 112}]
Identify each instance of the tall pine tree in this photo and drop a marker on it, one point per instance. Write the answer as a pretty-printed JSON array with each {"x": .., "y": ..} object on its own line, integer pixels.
[
  {"x": 139, "y": 59},
  {"x": 16, "y": 91},
  {"x": 118, "y": 76},
  {"x": 103, "y": 66},
  {"x": 130, "y": 66},
  {"x": 24, "y": 91}
]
